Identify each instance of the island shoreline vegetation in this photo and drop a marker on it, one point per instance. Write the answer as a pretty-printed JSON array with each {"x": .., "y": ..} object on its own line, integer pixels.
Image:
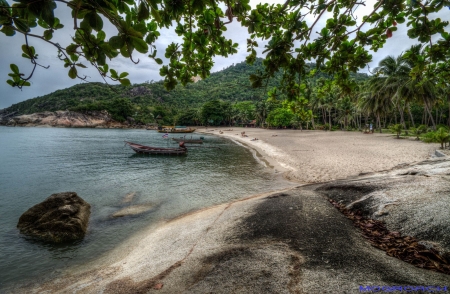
[
  {"x": 291, "y": 91},
  {"x": 226, "y": 98}
]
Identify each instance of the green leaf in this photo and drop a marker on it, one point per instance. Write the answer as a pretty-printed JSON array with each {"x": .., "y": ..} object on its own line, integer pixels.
[
  {"x": 139, "y": 44},
  {"x": 72, "y": 48},
  {"x": 73, "y": 72},
  {"x": 156, "y": 15},
  {"x": 116, "y": 42},
  {"x": 158, "y": 61},
  {"x": 124, "y": 51},
  {"x": 143, "y": 12},
  {"x": 124, "y": 74},
  {"x": 8, "y": 30},
  {"x": 47, "y": 14},
  {"x": 95, "y": 21},
  {"x": 113, "y": 73},
  {"x": 21, "y": 25},
  {"x": 14, "y": 68},
  {"x": 48, "y": 34},
  {"x": 28, "y": 50},
  {"x": 85, "y": 25},
  {"x": 125, "y": 82},
  {"x": 101, "y": 35},
  {"x": 81, "y": 65},
  {"x": 101, "y": 58}
]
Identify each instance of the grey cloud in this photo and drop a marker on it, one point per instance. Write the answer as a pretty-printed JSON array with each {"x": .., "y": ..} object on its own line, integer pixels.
[{"x": 47, "y": 81}]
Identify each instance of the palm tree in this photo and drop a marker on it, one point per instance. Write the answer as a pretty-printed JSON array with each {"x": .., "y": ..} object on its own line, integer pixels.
[
  {"x": 262, "y": 109},
  {"x": 419, "y": 86},
  {"x": 392, "y": 74},
  {"x": 376, "y": 104},
  {"x": 345, "y": 107}
]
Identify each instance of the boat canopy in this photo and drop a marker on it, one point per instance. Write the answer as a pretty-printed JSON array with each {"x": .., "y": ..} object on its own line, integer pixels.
[{"x": 175, "y": 127}]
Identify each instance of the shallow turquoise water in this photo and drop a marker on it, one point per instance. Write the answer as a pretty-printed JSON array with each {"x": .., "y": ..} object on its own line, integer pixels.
[{"x": 37, "y": 162}]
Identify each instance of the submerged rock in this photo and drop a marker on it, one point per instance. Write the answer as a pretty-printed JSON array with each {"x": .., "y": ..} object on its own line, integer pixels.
[
  {"x": 129, "y": 197},
  {"x": 61, "y": 217},
  {"x": 133, "y": 210}
]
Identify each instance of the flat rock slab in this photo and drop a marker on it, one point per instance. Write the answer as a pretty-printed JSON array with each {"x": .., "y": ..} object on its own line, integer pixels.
[
  {"x": 62, "y": 217},
  {"x": 292, "y": 241}
]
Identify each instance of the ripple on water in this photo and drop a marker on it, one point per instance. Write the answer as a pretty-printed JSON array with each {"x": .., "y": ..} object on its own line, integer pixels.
[{"x": 37, "y": 162}]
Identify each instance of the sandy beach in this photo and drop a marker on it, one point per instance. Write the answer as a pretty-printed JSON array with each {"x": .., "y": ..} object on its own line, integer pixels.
[
  {"x": 318, "y": 156},
  {"x": 290, "y": 241}
]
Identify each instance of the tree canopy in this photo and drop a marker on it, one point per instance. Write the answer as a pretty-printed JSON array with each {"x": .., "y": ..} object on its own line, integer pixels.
[{"x": 342, "y": 45}]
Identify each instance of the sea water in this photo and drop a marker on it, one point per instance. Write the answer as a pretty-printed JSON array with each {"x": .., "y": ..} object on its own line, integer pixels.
[{"x": 94, "y": 163}]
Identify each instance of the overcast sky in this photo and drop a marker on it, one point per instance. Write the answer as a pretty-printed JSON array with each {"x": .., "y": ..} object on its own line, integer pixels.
[{"x": 49, "y": 80}]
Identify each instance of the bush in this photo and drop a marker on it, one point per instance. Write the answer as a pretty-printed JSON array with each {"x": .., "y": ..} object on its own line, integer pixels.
[
  {"x": 397, "y": 129},
  {"x": 441, "y": 136},
  {"x": 419, "y": 130}
]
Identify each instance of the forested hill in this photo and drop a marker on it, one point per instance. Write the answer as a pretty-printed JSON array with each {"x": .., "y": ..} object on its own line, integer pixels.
[{"x": 230, "y": 84}]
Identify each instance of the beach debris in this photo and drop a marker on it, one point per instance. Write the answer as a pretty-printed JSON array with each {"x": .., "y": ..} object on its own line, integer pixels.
[
  {"x": 406, "y": 248},
  {"x": 133, "y": 210},
  {"x": 129, "y": 197},
  {"x": 158, "y": 286},
  {"x": 62, "y": 217}
]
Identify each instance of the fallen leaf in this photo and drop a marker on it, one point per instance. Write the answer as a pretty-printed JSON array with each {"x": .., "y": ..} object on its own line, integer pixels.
[{"x": 158, "y": 286}]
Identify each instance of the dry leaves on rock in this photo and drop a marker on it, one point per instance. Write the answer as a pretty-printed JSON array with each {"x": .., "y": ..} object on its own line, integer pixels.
[{"x": 406, "y": 248}]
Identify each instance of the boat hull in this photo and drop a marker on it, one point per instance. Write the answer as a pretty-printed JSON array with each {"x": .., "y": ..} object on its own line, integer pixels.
[
  {"x": 191, "y": 141},
  {"x": 142, "y": 149},
  {"x": 176, "y": 131}
]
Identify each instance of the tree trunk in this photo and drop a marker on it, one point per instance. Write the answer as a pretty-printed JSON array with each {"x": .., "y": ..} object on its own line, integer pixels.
[
  {"x": 329, "y": 119},
  {"x": 400, "y": 111},
  {"x": 448, "y": 99},
  {"x": 312, "y": 123},
  {"x": 411, "y": 116},
  {"x": 379, "y": 121},
  {"x": 429, "y": 113}
]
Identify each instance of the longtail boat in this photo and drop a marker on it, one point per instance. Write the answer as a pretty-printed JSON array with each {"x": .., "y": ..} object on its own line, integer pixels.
[
  {"x": 192, "y": 141},
  {"x": 138, "y": 148},
  {"x": 176, "y": 129}
]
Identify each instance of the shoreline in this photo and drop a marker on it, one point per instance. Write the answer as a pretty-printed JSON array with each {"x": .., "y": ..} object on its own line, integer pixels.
[{"x": 326, "y": 156}]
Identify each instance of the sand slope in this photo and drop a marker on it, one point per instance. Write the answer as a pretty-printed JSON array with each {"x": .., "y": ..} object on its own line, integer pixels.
[{"x": 317, "y": 156}]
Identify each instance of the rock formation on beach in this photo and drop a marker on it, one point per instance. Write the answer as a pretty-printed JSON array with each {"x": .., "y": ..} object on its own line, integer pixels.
[
  {"x": 62, "y": 217},
  {"x": 91, "y": 119}
]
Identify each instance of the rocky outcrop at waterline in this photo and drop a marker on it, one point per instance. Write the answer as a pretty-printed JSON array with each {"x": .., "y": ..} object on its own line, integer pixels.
[
  {"x": 68, "y": 119},
  {"x": 62, "y": 217}
]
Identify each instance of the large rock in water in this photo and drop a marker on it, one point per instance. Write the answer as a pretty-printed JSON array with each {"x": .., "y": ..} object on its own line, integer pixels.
[{"x": 61, "y": 217}]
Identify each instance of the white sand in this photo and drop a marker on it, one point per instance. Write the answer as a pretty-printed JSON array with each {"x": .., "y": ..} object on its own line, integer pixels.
[{"x": 317, "y": 156}]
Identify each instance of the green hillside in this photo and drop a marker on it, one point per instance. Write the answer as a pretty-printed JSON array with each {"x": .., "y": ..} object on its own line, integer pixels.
[
  {"x": 145, "y": 101},
  {"x": 230, "y": 84}
]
